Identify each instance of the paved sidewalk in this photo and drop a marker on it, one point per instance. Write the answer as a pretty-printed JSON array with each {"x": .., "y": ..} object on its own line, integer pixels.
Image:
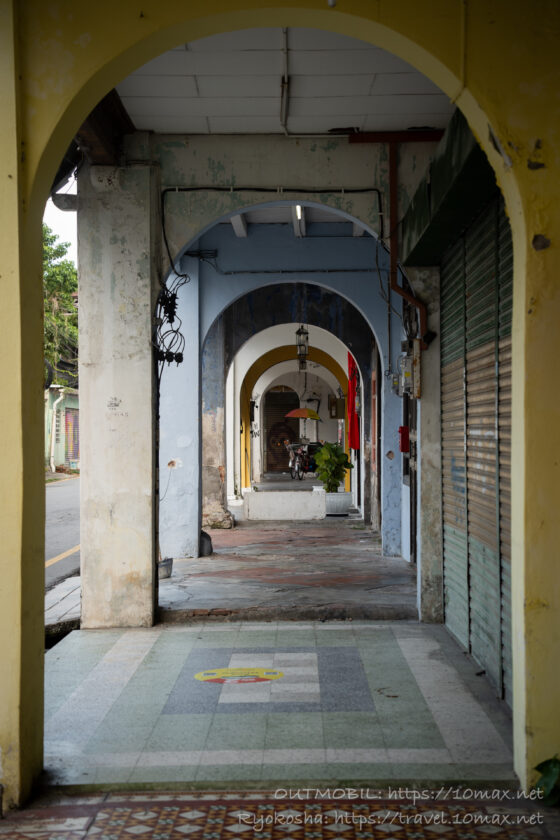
[
  {"x": 324, "y": 569},
  {"x": 62, "y": 602}
]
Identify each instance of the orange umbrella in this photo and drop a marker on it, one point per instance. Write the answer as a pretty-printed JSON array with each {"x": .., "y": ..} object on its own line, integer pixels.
[{"x": 304, "y": 413}]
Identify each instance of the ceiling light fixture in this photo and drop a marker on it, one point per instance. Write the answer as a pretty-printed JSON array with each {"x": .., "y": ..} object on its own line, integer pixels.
[{"x": 298, "y": 212}]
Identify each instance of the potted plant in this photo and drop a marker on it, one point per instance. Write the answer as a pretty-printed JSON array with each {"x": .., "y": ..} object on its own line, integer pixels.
[{"x": 331, "y": 464}]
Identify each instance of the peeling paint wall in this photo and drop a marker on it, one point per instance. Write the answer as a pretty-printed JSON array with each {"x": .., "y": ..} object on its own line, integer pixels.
[
  {"x": 214, "y": 510},
  {"x": 425, "y": 282},
  {"x": 331, "y": 166},
  {"x": 117, "y": 504}
]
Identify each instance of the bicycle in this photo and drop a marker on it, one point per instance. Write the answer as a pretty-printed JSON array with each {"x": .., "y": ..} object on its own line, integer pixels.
[{"x": 301, "y": 459}]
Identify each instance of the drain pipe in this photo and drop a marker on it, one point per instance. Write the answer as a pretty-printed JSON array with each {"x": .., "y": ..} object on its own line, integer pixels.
[
  {"x": 393, "y": 243},
  {"x": 53, "y": 428},
  {"x": 285, "y": 85}
]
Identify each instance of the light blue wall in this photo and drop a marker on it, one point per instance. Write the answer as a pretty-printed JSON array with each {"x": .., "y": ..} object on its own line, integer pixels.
[
  {"x": 312, "y": 259},
  {"x": 180, "y": 439},
  {"x": 325, "y": 248}
]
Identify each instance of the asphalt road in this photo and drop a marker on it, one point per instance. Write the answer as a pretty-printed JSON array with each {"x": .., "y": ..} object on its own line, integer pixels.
[{"x": 62, "y": 530}]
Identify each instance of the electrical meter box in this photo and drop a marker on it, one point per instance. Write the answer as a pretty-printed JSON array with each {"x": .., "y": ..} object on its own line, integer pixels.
[
  {"x": 406, "y": 375},
  {"x": 407, "y": 379}
]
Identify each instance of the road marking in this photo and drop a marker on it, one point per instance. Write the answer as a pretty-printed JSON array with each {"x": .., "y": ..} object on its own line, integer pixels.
[{"x": 62, "y": 556}]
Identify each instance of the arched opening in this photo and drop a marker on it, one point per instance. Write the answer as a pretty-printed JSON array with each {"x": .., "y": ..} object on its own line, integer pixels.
[{"x": 108, "y": 61}]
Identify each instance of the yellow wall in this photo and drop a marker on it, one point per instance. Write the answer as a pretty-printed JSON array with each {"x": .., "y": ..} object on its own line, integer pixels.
[
  {"x": 498, "y": 59},
  {"x": 22, "y": 488}
]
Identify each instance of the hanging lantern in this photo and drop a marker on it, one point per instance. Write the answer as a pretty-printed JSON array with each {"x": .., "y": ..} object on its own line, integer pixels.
[{"x": 302, "y": 347}]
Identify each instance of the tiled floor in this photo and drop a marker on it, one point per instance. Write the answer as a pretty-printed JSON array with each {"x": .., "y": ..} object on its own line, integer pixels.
[
  {"x": 274, "y": 815},
  {"x": 271, "y": 703}
]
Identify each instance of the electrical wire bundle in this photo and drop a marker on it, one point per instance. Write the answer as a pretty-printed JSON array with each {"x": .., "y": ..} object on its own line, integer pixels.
[{"x": 169, "y": 342}]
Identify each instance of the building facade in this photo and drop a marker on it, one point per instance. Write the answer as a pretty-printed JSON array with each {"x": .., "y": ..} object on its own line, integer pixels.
[{"x": 162, "y": 200}]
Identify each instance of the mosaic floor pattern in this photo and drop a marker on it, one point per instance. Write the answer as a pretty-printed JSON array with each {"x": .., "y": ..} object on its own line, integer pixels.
[
  {"x": 271, "y": 816},
  {"x": 258, "y": 704}
]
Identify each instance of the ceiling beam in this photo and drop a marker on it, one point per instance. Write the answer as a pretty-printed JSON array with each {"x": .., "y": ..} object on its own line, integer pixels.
[
  {"x": 98, "y": 139},
  {"x": 239, "y": 225},
  {"x": 100, "y": 136}
]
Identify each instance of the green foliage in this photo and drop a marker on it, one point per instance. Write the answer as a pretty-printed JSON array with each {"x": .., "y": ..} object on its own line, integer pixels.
[
  {"x": 60, "y": 281},
  {"x": 332, "y": 463},
  {"x": 549, "y": 782}
]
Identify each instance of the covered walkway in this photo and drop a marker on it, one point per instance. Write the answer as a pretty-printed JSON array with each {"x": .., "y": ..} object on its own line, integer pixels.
[{"x": 325, "y": 699}]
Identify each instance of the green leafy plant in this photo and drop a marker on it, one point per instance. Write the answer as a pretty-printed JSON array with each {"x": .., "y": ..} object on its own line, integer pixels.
[
  {"x": 331, "y": 464},
  {"x": 60, "y": 286},
  {"x": 549, "y": 782}
]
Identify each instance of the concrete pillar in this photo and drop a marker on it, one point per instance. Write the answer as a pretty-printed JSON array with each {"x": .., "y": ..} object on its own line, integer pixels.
[
  {"x": 214, "y": 512},
  {"x": 180, "y": 436},
  {"x": 425, "y": 282},
  {"x": 22, "y": 496},
  {"x": 391, "y": 471},
  {"x": 116, "y": 225},
  {"x": 366, "y": 445}
]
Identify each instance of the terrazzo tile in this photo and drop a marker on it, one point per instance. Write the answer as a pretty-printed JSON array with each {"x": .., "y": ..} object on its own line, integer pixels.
[
  {"x": 180, "y": 732},
  {"x": 143, "y": 775},
  {"x": 229, "y": 772},
  {"x": 421, "y": 735},
  {"x": 367, "y": 716},
  {"x": 297, "y": 774},
  {"x": 294, "y": 730},
  {"x": 352, "y": 729},
  {"x": 121, "y": 740},
  {"x": 236, "y": 732}
]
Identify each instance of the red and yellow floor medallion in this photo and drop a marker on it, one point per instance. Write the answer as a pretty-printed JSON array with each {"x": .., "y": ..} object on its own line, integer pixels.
[{"x": 238, "y": 675}]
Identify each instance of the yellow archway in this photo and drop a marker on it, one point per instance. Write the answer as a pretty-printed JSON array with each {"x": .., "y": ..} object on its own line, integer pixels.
[
  {"x": 59, "y": 59},
  {"x": 286, "y": 352}
]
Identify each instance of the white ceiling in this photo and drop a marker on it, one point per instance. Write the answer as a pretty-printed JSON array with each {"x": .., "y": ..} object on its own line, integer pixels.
[{"x": 231, "y": 83}]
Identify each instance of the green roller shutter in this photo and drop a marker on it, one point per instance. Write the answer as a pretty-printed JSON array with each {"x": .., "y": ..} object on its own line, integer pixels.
[
  {"x": 453, "y": 429},
  {"x": 476, "y": 424}
]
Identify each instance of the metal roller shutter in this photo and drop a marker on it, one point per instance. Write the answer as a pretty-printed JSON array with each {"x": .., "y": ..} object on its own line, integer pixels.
[
  {"x": 278, "y": 428},
  {"x": 505, "y": 264},
  {"x": 482, "y": 442},
  {"x": 454, "y": 467},
  {"x": 476, "y": 290}
]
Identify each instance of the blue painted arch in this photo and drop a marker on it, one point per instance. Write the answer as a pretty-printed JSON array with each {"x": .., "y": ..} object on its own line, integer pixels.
[{"x": 355, "y": 268}]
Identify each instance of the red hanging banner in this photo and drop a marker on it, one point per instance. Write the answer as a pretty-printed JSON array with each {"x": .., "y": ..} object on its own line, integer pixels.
[{"x": 353, "y": 415}]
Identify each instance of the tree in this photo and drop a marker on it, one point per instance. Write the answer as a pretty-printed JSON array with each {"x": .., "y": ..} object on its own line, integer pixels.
[{"x": 60, "y": 287}]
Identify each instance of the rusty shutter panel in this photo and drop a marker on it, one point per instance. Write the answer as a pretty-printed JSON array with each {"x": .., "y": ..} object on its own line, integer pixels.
[
  {"x": 278, "y": 427},
  {"x": 476, "y": 307},
  {"x": 481, "y": 288},
  {"x": 453, "y": 450},
  {"x": 505, "y": 275}
]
